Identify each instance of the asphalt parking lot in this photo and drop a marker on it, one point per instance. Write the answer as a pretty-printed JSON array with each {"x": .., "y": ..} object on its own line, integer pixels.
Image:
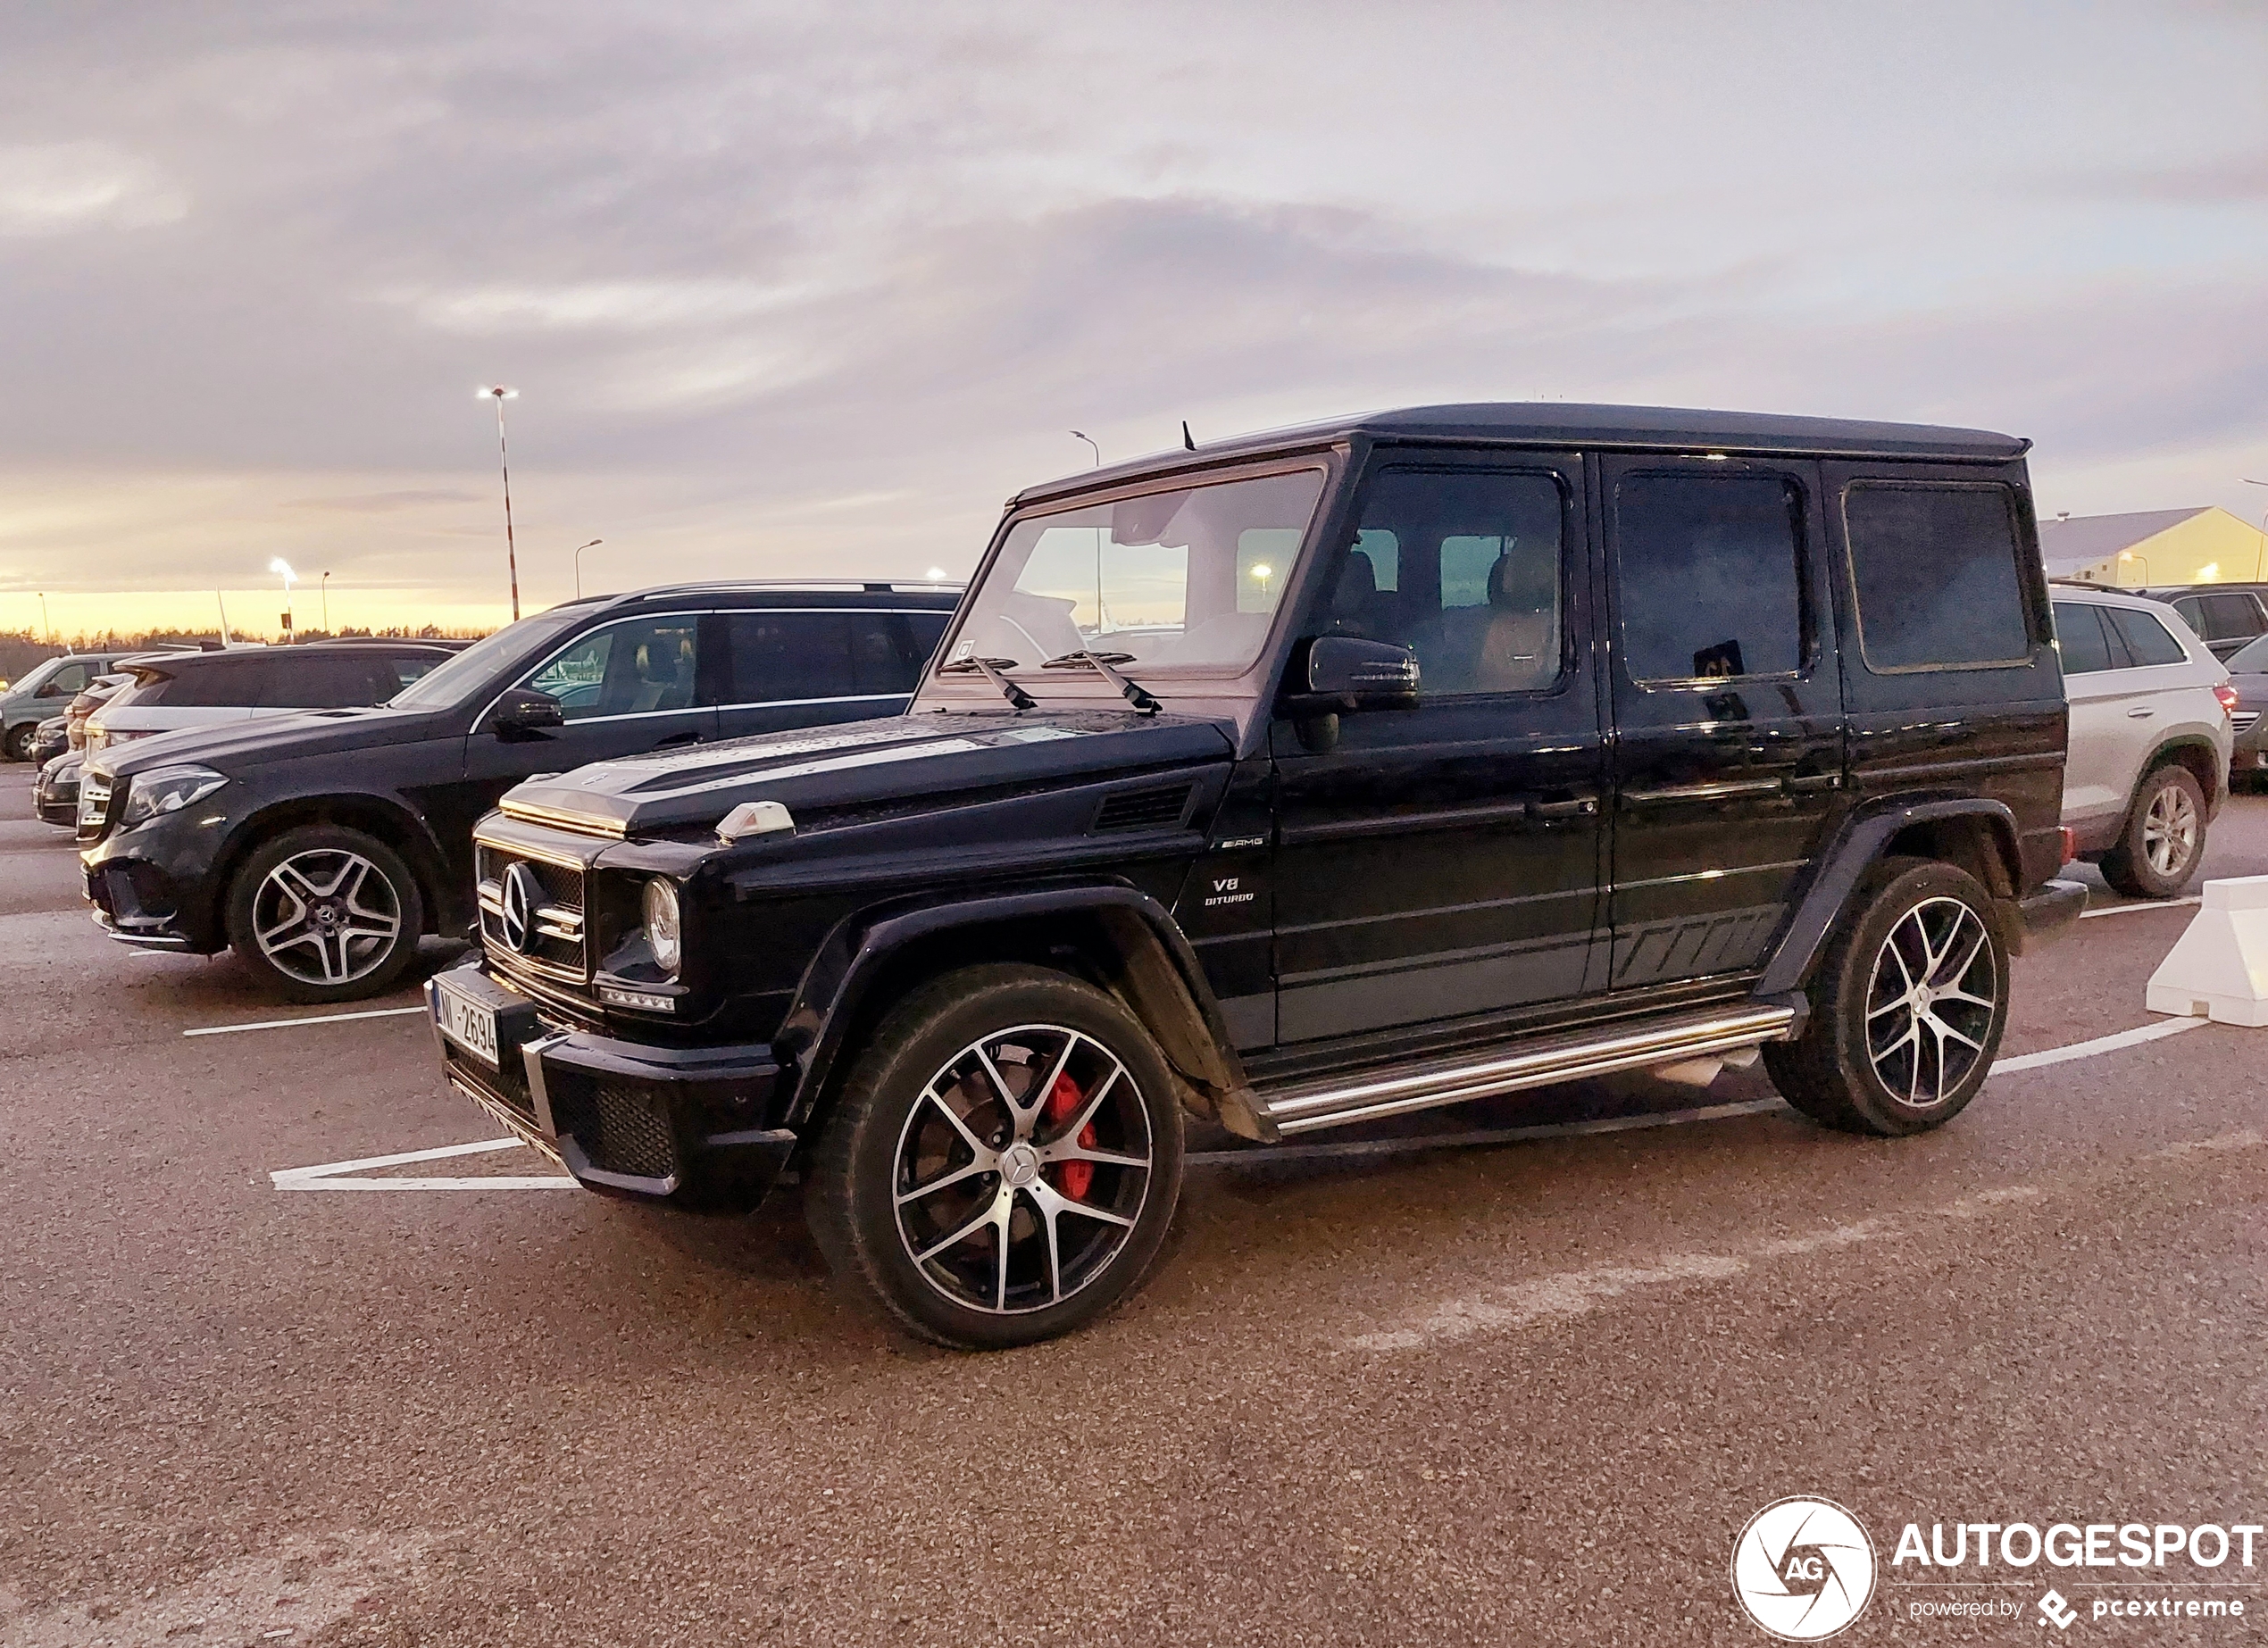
[{"x": 1526, "y": 1392}]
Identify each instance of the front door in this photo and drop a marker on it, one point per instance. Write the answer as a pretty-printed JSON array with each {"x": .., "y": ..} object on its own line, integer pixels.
[
  {"x": 786, "y": 667},
  {"x": 1445, "y": 861},
  {"x": 1728, "y": 707}
]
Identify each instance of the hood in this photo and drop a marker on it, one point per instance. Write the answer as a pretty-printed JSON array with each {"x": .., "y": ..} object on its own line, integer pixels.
[
  {"x": 829, "y": 774},
  {"x": 232, "y": 746}
]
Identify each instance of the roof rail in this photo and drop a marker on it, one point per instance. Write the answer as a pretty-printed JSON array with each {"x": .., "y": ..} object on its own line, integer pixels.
[{"x": 880, "y": 586}]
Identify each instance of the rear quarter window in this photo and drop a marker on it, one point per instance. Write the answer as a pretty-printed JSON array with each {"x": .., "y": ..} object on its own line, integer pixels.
[
  {"x": 2148, "y": 641},
  {"x": 1935, "y": 567}
]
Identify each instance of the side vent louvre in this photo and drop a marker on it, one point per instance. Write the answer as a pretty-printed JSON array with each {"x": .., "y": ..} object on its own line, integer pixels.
[{"x": 1151, "y": 809}]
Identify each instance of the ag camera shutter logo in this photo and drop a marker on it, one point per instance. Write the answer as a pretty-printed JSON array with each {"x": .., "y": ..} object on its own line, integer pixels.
[{"x": 1802, "y": 1569}]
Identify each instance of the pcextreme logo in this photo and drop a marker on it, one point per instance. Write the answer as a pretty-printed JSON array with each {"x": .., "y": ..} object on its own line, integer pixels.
[{"x": 1802, "y": 1569}]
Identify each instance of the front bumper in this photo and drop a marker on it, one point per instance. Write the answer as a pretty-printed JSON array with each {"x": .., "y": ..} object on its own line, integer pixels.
[
  {"x": 681, "y": 1126},
  {"x": 2050, "y": 912}
]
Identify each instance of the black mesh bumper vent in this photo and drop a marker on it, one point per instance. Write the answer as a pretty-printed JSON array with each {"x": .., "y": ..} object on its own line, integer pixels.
[{"x": 617, "y": 1130}]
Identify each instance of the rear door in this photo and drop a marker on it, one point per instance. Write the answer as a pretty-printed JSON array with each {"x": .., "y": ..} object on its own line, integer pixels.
[
  {"x": 1727, "y": 713},
  {"x": 786, "y": 667},
  {"x": 2099, "y": 769}
]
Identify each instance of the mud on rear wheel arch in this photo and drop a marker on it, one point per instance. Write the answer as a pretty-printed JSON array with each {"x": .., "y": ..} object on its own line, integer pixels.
[
  {"x": 1115, "y": 937},
  {"x": 1973, "y": 833}
]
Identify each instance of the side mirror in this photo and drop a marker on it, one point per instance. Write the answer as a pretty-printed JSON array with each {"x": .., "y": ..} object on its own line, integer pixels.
[
  {"x": 1344, "y": 672},
  {"x": 525, "y": 712}
]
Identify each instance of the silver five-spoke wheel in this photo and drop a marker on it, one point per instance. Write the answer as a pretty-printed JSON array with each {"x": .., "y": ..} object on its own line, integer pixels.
[
  {"x": 1021, "y": 1169},
  {"x": 1931, "y": 1001},
  {"x": 328, "y": 916},
  {"x": 2169, "y": 830}
]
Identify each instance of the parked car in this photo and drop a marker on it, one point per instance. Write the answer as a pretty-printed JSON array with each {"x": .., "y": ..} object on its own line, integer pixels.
[
  {"x": 54, "y": 794},
  {"x": 2225, "y": 616},
  {"x": 1301, "y": 780},
  {"x": 320, "y": 846},
  {"x": 97, "y": 692},
  {"x": 43, "y": 692},
  {"x": 49, "y": 739},
  {"x": 2248, "y": 680},
  {"x": 200, "y": 689},
  {"x": 2150, "y": 738}
]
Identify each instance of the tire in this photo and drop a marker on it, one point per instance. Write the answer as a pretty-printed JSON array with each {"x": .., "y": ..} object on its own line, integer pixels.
[
  {"x": 323, "y": 913},
  {"x": 2164, "y": 838},
  {"x": 1098, "y": 1167},
  {"x": 1919, "y": 923},
  {"x": 17, "y": 745}
]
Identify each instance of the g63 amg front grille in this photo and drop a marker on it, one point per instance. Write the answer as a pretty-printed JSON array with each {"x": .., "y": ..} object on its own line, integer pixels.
[{"x": 532, "y": 913}]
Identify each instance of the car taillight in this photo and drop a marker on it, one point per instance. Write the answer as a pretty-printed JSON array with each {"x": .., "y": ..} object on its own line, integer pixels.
[
  {"x": 2228, "y": 696},
  {"x": 2071, "y": 844}
]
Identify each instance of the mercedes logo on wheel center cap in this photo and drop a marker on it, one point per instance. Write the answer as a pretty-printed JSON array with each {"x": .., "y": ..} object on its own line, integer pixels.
[
  {"x": 521, "y": 893},
  {"x": 1019, "y": 1165}
]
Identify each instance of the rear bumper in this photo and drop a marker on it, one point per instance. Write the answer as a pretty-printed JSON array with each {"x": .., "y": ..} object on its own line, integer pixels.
[
  {"x": 2049, "y": 913},
  {"x": 679, "y": 1126}
]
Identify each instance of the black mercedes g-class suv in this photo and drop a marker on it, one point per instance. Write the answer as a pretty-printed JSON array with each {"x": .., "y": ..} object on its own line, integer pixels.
[
  {"x": 320, "y": 846},
  {"x": 1305, "y": 779}
]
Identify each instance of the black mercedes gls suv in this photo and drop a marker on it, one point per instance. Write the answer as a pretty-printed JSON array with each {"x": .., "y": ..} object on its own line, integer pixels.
[
  {"x": 1302, "y": 780},
  {"x": 320, "y": 846}
]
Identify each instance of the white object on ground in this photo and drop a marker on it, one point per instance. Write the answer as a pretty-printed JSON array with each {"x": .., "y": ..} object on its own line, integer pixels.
[{"x": 2218, "y": 970}]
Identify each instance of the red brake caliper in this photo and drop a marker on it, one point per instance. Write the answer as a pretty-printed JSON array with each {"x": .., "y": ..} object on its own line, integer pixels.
[{"x": 1073, "y": 1179}]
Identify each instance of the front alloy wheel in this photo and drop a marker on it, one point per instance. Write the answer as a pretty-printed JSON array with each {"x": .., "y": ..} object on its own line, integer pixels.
[
  {"x": 325, "y": 914},
  {"x": 1001, "y": 1162}
]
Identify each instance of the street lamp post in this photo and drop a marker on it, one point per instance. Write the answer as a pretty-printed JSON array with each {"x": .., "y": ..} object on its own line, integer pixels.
[
  {"x": 282, "y": 569},
  {"x": 594, "y": 544},
  {"x": 2125, "y": 555},
  {"x": 325, "y": 588},
  {"x": 45, "y": 628},
  {"x": 1089, "y": 439},
  {"x": 500, "y": 394}
]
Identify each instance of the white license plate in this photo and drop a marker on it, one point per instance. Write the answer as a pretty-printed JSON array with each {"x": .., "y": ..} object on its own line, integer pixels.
[{"x": 470, "y": 1024}]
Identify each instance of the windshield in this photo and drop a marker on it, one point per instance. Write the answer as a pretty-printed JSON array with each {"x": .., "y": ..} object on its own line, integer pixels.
[
  {"x": 472, "y": 668},
  {"x": 1188, "y": 577}
]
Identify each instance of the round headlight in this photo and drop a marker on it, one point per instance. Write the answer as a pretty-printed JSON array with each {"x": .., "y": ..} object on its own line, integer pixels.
[{"x": 662, "y": 926}]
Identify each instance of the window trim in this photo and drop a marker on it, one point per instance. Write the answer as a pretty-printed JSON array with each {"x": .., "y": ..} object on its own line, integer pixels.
[
  {"x": 1808, "y": 648},
  {"x": 2015, "y": 539}
]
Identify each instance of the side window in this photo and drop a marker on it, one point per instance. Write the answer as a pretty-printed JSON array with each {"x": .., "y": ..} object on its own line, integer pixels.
[
  {"x": 889, "y": 649},
  {"x": 1711, "y": 576},
  {"x": 1463, "y": 567},
  {"x": 235, "y": 684},
  {"x": 2148, "y": 641},
  {"x": 1935, "y": 569},
  {"x": 67, "y": 682},
  {"x": 642, "y": 666},
  {"x": 332, "y": 682},
  {"x": 408, "y": 667},
  {"x": 2192, "y": 611},
  {"x": 2231, "y": 616},
  {"x": 2078, "y": 636},
  {"x": 779, "y": 656}
]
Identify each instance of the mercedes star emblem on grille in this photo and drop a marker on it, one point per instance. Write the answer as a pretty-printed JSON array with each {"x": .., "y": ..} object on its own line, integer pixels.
[{"x": 521, "y": 894}]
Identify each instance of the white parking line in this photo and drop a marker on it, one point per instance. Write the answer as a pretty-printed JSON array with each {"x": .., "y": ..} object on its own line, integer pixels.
[
  {"x": 2147, "y": 903},
  {"x": 2100, "y": 1045},
  {"x": 334, "y": 1175},
  {"x": 287, "y": 1024}
]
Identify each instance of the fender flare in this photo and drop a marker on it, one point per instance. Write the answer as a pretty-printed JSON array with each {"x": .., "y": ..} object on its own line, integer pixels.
[
  {"x": 1159, "y": 963},
  {"x": 1845, "y": 865},
  {"x": 420, "y": 848}
]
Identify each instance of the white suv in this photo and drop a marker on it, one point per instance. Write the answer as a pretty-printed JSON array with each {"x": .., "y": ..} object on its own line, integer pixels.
[{"x": 2148, "y": 762}]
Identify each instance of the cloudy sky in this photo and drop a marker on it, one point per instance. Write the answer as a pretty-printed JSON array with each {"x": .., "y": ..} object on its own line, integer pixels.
[{"x": 800, "y": 290}]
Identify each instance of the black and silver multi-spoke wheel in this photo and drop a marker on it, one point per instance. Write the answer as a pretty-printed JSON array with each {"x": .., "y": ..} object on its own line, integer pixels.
[
  {"x": 2165, "y": 837},
  {"x": 1908, "y": 1007},
  {"x": 1003, "y": 1161},
  {"x": 325, "y": 914}
]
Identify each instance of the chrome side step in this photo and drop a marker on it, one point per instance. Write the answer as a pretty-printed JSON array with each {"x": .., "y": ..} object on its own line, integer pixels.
[{"x": 1566, "y": 1057}]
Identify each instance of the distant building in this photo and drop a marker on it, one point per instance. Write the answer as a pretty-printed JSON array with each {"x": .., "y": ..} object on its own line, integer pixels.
[{"x": 2207, "y": 545}]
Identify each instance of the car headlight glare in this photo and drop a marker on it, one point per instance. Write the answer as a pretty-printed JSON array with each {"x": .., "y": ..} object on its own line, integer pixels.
[
  {"x": 166, "y": 789},
  {"x": 661, "y": 932}
]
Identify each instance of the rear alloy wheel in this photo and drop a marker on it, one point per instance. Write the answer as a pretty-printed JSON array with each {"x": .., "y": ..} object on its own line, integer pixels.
[
  {"x": 325, "y": 914},
  {"x": 17, "y": 745},
  {"x": 1004, "y": 1161},
  {"x": 1907, "y": 1008},
  {"x": 2165, "y": 837}
]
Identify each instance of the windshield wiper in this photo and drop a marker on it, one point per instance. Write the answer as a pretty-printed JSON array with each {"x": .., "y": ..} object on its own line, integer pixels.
[
  {"x": 1102, "y": 663},
  {"x": 990, "y": 668}
]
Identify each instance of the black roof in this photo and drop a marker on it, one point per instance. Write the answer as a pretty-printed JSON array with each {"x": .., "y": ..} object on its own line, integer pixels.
[{"x": 1559, "y": 423}]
